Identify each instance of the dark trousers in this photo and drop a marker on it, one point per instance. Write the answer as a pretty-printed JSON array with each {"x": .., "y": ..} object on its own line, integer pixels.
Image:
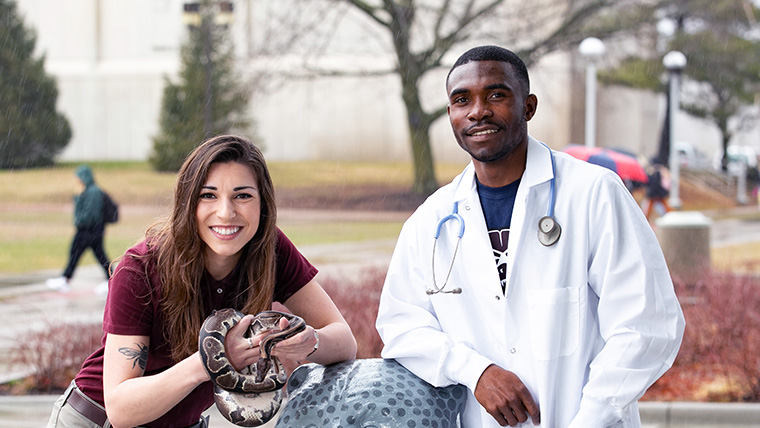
[{"x": 87, "y": 238}]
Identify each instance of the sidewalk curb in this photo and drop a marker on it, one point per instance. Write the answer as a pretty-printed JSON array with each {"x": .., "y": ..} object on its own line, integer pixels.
[
  {"x": 28, "y": 278},
  {"x": 653, "y": 413},
  {"x": 670, "y": 414}
]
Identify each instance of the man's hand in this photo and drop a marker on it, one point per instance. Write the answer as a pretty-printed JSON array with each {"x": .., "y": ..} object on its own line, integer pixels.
[{"x": 505, "y": 397}]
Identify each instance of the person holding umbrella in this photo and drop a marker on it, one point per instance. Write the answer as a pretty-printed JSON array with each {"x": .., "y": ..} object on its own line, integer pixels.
[{"x": 658, "y": 190}]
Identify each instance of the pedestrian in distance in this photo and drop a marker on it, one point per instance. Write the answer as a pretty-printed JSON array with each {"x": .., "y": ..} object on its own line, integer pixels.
[
  {"x": 219, "y": 248},
  {"x": 576, "y": 318},
  {"x": 658, "y": 190},
  {"x": 90, "y": 229}
]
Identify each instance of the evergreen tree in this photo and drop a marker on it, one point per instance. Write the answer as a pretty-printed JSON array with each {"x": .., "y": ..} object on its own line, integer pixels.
[
  {"x": 209, "y": 98},
  {"x": 32, "y": 132}
]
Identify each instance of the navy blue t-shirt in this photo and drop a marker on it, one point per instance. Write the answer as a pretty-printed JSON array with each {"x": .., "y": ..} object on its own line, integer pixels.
[{"x": 497, "y": 204}]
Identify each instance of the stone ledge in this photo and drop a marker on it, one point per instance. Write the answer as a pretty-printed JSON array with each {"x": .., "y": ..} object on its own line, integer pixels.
[{"x": 677, "y": 414}]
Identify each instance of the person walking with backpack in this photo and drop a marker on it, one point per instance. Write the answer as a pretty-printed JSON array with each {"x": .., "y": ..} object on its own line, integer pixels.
[{"x": 88, "y": 219}]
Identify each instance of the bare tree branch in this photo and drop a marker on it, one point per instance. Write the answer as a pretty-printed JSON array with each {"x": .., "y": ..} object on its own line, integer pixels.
[
  {"x": 422, "y": 32},
  {"x": 566, "y": 33},
  {"x": 370, "y": 11}
]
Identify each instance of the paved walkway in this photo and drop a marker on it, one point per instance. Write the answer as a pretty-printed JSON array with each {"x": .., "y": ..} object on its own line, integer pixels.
[{"x": 27, "y": 305}]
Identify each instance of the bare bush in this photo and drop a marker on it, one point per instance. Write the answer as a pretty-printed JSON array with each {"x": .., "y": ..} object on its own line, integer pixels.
[
  {"x": 54, "y": 355},
  {"x": 358, "y": 301},
  {"x": 718, "y": 358}
]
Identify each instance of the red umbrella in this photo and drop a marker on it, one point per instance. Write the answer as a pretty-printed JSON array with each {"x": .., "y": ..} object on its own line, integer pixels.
[{"x": 627, "y": 167}]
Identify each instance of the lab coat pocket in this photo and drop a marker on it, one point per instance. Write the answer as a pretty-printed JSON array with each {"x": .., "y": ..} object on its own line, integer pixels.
[{"x": 555, "y": 322}]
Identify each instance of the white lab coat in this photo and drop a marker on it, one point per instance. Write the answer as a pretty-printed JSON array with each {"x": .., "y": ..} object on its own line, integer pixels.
[{"x": 587, "y": 324}]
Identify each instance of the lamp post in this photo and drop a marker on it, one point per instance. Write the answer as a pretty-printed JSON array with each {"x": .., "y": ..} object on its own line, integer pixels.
[
  {"x": 674, "y": 63},
  {"x": 591, "y": 49}
]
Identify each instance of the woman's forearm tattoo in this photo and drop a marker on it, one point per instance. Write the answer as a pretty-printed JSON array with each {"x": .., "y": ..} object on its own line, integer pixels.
[{"x": 138, "y": 355}]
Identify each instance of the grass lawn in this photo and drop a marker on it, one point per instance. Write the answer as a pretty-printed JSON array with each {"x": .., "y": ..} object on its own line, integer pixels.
[
  {"x": 741, "y": 258},
  {"x": 36, "y": 209}
]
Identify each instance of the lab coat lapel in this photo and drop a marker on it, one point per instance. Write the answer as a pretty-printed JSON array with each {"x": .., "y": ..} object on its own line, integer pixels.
[{"x": 532, "y": 200}]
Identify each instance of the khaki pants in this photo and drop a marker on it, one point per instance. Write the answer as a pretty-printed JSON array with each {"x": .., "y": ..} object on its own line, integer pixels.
[{"x": 64, "y": 416}]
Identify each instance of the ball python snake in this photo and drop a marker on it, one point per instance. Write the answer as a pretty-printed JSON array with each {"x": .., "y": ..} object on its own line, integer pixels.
[{"x": 252, "y": 397}]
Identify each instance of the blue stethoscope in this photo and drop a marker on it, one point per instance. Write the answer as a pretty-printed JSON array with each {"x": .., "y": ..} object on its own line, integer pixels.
[{"x": 548, "y": 230}]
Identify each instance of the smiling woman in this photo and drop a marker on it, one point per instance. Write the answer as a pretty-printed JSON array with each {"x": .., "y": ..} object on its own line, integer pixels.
[
  {"x": 228, "y": 215},
  {"x": 219, "y": 248}
]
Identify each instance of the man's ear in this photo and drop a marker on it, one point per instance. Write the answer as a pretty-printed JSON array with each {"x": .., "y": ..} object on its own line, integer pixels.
[{"x": 531, "y": 103}]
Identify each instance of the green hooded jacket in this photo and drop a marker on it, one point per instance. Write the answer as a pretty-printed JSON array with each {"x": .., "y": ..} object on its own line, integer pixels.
[{"x": 88, "y": 205}]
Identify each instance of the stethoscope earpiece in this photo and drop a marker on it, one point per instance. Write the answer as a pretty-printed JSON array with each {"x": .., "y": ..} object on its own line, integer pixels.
[{"x": 431, "y": 291}]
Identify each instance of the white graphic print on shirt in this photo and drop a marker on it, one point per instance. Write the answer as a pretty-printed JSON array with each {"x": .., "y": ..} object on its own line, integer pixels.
[{"x": 499, "y": 242}]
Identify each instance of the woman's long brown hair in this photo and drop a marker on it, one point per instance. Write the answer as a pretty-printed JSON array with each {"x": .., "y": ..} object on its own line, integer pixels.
[{"x": 179, "y": 250}]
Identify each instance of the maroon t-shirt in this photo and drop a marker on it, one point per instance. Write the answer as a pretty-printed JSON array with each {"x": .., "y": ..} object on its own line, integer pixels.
[{"x": 133, "y": 309}]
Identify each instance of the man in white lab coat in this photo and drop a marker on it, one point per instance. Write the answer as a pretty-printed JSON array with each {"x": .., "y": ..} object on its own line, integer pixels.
[{"x": 572, "y": 324}]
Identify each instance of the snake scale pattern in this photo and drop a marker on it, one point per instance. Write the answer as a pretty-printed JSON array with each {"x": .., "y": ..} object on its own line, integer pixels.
[{"x": 253, "y": 397}]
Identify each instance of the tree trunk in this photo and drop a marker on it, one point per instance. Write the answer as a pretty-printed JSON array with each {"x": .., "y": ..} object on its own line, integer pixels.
[
  {"x": 411, "y": 68},
  {"x": 424, "y": 171},
  {"x": 419, "y": 133}
]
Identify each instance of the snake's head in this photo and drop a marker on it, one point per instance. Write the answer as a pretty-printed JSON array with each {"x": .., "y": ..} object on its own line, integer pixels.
[{"x": 262, "y": 368}]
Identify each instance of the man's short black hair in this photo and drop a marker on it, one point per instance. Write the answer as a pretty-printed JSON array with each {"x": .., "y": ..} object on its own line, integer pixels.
[{"x": 495, "y": 53}]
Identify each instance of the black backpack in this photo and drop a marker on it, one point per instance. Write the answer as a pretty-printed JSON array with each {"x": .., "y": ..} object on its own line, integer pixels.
[{"x": 110, "y": 209}]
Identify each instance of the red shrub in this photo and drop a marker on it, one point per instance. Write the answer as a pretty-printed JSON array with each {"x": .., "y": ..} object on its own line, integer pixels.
[
  {"x": 358, "y": 301},
  {"x": 718, "y": 360},
  {"x": 55, "y": 354}
]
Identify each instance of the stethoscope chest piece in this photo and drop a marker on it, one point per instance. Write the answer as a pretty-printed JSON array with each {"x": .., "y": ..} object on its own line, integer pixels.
[{"x": 548, "y": 231}]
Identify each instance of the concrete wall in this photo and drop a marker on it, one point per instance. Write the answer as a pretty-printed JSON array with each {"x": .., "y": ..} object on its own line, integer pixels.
[{"x": 111, "y": 57}]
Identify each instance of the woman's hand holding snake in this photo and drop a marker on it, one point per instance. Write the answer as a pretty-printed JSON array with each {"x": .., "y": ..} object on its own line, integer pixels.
[
  {"x": 250, "y": 397},
  {"x": 299, "y": 347},
  {"x": 244, "y": 351}
]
